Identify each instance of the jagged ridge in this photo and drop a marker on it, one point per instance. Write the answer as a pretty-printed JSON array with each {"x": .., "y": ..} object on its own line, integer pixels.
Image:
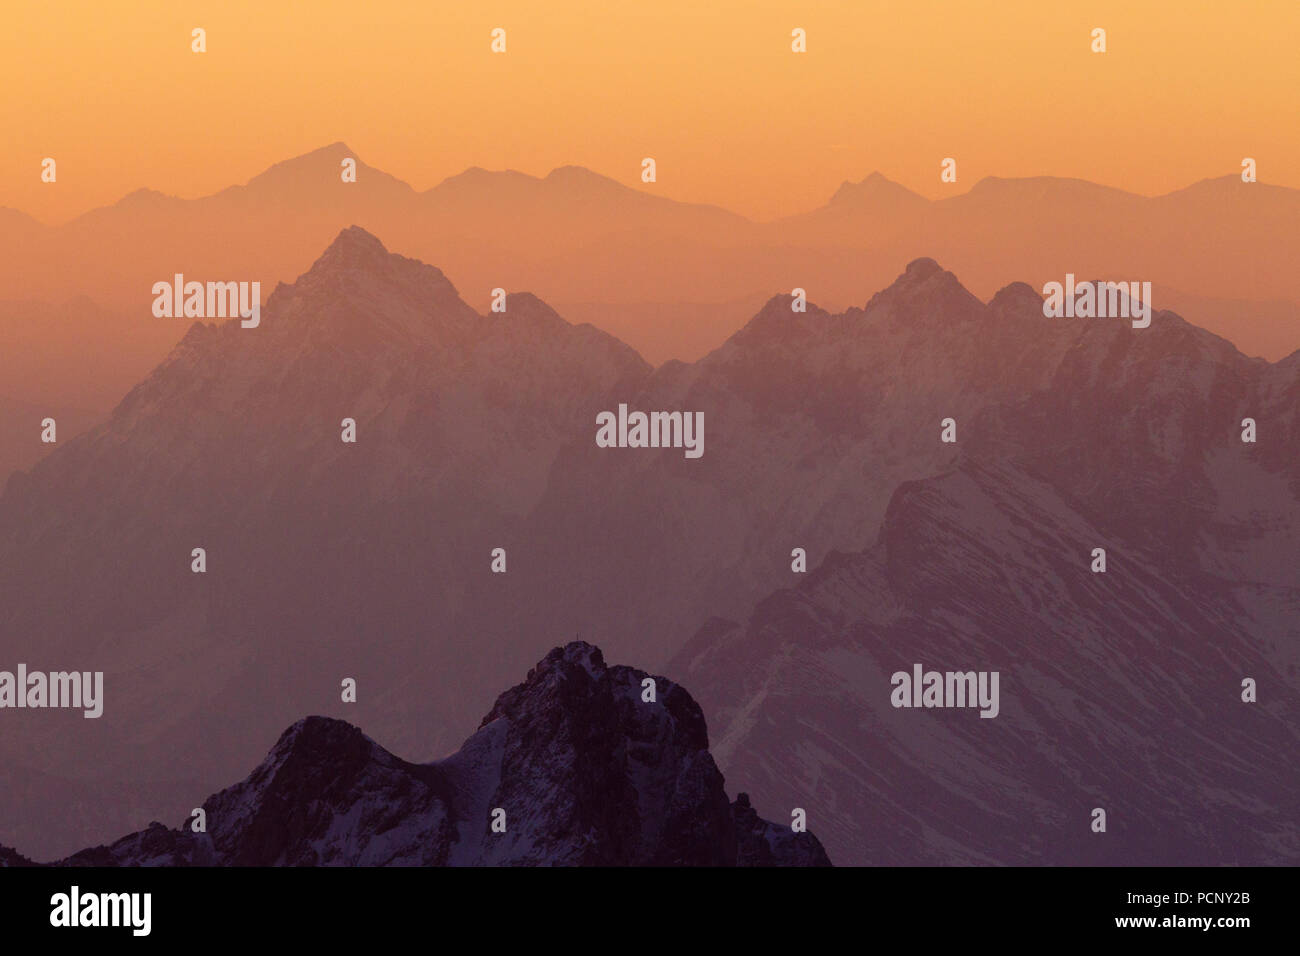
[{"x": 586, "y": 770}]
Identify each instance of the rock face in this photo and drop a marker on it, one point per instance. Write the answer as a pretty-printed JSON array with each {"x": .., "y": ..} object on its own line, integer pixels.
[
  {"x": 587, "y": 772},
  {"x": 9, "y": 857},
  {"x": 1120, "y": 690}
]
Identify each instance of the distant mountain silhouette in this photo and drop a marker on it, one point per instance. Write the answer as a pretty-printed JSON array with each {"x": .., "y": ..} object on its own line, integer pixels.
[
  {"x": 575, "y": 237},
  {"x": 586, "y": 771},
  {"x": 874, "y": 197}
]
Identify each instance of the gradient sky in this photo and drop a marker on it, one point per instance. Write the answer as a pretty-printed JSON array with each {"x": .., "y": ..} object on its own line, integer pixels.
[{"x": 711, "y": 90}]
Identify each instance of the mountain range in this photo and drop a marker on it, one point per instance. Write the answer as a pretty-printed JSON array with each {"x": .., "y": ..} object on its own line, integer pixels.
[
  {"x": 823, "y": 431},
  {"x": 672, "y": 279}
]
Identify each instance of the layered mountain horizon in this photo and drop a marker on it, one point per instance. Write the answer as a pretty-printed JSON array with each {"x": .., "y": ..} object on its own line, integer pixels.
[
  {"x": 672, "y": 279},
  {"x": 281, "y": 176},
  {"x": 826, "y": 433}
]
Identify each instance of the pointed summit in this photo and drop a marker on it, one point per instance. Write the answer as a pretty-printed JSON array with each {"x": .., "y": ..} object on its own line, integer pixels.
[
  {"x": 353, "y": 246},
  {"x": 360, "y": 283},
  {"x": 296, "y": 166},
  {"x": 876, "y": 189},
  {"x": 312, "y": 736},
  {"x": 926, "y": 290},
  {"x": 303, "y": 178},
  {"x": 357, "y": 252},
  {"x": 526, "y": 308}
]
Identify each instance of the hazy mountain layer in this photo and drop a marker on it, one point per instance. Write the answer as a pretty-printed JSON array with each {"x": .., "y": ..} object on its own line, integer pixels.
[
  {"x": 475, "y": 432},
  {"x": 1221, "y": 252}
]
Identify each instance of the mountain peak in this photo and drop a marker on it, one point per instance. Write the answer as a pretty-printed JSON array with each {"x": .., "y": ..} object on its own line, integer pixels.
[
  {"x": 354, "y": 244},
  {"x": 316, "y": 742},
  {"x": 926, "y": 289},
  {"x": 1041, "y": 188},
  {"x": 874, "y": 188},
  {"x": 574, "y": 171},
  {"x": 776, "y": 323},
  {"x": 1016, "y": 297},
  {"x": 478, "y": 176},
  {"x": 354, "y": 250},
  {"x": 581, "y": 177},
  {"x": 144, "y": 195},
  {"x": 922, "y": 268},
  {"x": 527, "y": 308},
  {"x": 587, "y": 656},
  {"x": 592, "y": 773},
  {"x": 333, "y": 151},
  {"x": 313, "y": 733},
  {"x": 308, "y": 168},
  {"x": 356, "y": 282}
]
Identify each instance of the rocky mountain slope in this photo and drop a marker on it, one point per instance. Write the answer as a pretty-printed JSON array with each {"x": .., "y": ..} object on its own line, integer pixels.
[
  {"x": 573, "y": 766},
  {"x": 811, "y": 421},
  {"x": 1120, "y": 690}
]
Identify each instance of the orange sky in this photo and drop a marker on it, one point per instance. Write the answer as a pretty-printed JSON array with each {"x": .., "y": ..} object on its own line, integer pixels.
[{"x": 711, "y": 90}]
